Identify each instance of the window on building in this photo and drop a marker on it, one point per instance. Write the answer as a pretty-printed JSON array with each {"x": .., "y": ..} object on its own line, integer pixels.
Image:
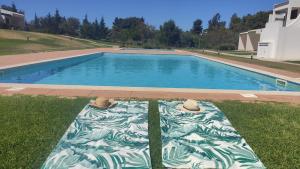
[{"x": 294, "y": 13}]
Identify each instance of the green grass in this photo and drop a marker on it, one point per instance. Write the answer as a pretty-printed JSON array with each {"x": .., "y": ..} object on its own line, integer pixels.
[
  {"x": 15, "y": 42},
  {"x": 239, "y": 52},
  {"x": 276, "y": 65},
  {"x": 297, "y": 62},
  {"x": 272, "y": 130},
  {"x": 155, "y": 135},
  {"x": 30, "y": 127}
]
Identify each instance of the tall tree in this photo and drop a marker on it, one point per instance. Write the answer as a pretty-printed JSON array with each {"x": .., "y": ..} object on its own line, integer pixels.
[
  {"x": 13, "y": 7},
  {"x": 56, "y": 22},
  {"x": 85, "y": 28},
  {"x": 170, "y": 34},
  {"x": 36, "y": 22},
  {"x": 215, "y": 23},
  {"x": 103, "y": 30},
  {"x": 197, "y": 27},
  {"x": 73, "y": 26},
  {"x": 96, "y": 30},
  {"x": 131, "y": 29},
  {"x": 236, "y": 24},
  {"x": 256, "y": 21}
]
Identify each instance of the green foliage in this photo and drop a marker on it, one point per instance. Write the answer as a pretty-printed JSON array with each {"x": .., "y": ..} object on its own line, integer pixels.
[
  {"x": 170, "y": 34},
  {"x": 197, "y": 27},
  {"x": 215, "y": 23},
  {"x": 131, "y": 30},
  {"x": 86, "y": 28},
  {"x": 134, "y": 32},
  {"x": 71, "y": 26}
]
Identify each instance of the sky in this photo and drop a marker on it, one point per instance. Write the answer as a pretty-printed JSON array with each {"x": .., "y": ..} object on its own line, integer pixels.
[{"x": 155, "y": 12}]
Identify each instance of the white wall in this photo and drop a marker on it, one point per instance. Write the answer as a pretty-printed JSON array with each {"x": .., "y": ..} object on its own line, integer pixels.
[
  {"x": 242, "y": 41},
  {"x": 289, "y": 42},
  {"x": 269, "y": 35}
]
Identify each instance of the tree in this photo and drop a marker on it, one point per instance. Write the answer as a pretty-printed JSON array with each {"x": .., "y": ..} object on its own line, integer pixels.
[
  {"x": 197, "y": 27},
  {"x": 73, "y": 26},
  {"x": 57, "y": 22},
  {"x": 103, "y": 30},
  {"x": 256, "y": 21},
  {"x": 36, "y": 22},
  {"x": 129, "y": 30},
  {"x": 46, "y": 24},
  {"x": 96, "y": 30},
  {"x": 189, "y": 39},
  {"x": 236, "y": 24},
  {"x": 170, "y": 34},
  {"x": 215, "y": 23},
  {"x": 13, "y": 7},
  {"x": 85, "y": 28}
]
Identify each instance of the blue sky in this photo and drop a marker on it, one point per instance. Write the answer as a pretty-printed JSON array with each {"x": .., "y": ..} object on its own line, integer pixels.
[{"x": 155, "y": 12}]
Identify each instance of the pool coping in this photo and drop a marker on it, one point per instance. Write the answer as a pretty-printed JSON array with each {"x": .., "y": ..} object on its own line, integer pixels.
[
  {"x": 44, "y": 61},
  {"x": 153, "y": 89},
  {"x": 142, "y": 89}
]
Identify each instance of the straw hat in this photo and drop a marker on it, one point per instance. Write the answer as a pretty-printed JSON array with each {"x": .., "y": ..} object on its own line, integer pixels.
[
  {"x": 102, "y": 103},
  {"x": 190, "y": 106}
]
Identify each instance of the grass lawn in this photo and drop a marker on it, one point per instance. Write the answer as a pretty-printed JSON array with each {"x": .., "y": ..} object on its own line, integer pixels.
[
  {"x": 15, "y": 42},
  {"x": 297, "y": 62},
  {"x": 30, "y": 127},
  {"x": 272, "y": 130},
  {"x": 276, "y": 65}
]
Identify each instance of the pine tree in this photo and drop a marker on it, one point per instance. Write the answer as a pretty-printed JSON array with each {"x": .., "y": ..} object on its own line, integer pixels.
[
  {"x": 85, "y": 28},
  {"x": 197, "y": 27},
  {"x": 13, "y": 7},
  {"x": 96, "y": 30},
  {"x": 36, "y": 22},
  {"x": 57, "y": 21},
  {"x": 103, "y": 30}
]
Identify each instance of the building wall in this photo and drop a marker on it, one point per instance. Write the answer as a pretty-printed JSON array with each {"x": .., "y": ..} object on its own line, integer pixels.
[
  {"x": 12, "y": 19},
  {"x": 288, "y": 44},
  {"x": 242, "y": 41},
  {"x": 17, "y": 21},
  {"x": 248, "y": 41},
  {"x": 252, "y": 41},
  {"x": 270, "y": 36},
  {"x": 278, "y": 41}
]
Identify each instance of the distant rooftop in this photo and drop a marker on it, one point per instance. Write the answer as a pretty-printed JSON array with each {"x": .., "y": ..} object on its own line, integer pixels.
[
  {"x": 5, "y": 11},
  {"x": 281, "y": 4}
]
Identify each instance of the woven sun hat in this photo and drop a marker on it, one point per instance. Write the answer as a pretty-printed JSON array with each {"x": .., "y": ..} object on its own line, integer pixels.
[
  {"x": 190, "y": 106},
  {"x": 103, "y": 103}
]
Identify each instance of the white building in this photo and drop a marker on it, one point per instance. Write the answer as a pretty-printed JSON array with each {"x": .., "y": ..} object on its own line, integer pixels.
[
  {"x": 12, "y": 19},
  {"x": 279, "y": 40},
  {"x": 248, "y": 41}
]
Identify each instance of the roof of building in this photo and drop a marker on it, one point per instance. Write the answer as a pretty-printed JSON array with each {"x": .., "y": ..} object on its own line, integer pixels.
[
  {"x": 7, "y": 12},
  {"x": 281, "y": 4}
]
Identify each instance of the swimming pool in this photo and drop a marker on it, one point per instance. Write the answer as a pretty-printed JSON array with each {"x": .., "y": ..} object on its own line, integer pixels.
[{"x": 143, "y": 70}]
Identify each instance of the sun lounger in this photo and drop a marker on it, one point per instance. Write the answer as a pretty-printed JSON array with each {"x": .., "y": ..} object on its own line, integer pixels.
[
  {"x": 113, "y": 138},
  {"x": 202, "y": 140}
]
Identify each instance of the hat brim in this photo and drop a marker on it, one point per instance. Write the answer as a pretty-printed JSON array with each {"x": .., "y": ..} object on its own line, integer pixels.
[
  {"x": 182, "y": 108},
  {"x": 111, "y": 104}
]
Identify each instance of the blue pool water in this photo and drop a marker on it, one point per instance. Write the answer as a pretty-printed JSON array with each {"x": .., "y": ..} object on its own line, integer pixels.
[{"x": 140, "y": 70}]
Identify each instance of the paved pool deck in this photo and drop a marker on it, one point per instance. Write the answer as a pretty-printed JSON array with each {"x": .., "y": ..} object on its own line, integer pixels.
[{"x": 148, "y": 93}]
